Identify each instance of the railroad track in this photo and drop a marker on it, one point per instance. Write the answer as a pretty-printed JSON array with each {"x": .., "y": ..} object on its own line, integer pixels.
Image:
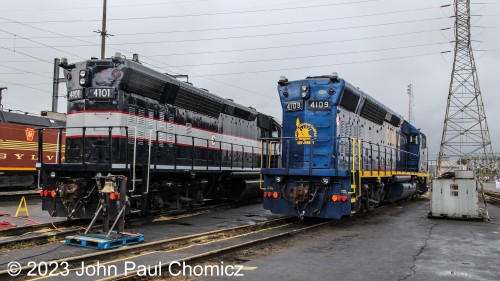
[
  {"x": 188, "y": 249},
  {"x": 37, "y": 234},
  {"x": 251, "y": 234},
  {"x": 492, "y": 197},
  {"x": 16, "y": 195}
]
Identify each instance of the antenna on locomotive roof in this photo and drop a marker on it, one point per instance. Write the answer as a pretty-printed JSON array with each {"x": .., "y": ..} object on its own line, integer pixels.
[{"x": 1, "y": 89}]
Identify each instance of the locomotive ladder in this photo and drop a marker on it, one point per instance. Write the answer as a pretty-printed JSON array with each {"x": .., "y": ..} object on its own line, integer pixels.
[{"x": 356, "y": 170}]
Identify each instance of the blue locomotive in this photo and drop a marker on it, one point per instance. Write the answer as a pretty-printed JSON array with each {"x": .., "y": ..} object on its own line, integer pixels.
[
  {"x": 160, "y": 143},
  {"x": 341, "y": 152}
]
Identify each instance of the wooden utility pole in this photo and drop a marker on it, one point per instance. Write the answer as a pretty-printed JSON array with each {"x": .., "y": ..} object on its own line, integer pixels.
[{"x": 103, "y": 31}]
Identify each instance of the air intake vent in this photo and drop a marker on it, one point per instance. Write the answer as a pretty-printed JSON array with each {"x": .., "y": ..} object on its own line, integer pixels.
[
  {"x": 373, "y": 112},
  {"x": 197, "y": 102},
  {"x": 264, "y": 121},
  {"x": 143, "y": 84},
  {"x": 349, "y": 100}
]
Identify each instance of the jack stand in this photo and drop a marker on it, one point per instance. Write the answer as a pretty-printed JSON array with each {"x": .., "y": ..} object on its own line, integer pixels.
[{"x": 108, "y": 239}]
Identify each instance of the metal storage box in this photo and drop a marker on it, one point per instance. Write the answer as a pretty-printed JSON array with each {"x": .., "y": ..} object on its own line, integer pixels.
[{"x": 455, "y": 197}]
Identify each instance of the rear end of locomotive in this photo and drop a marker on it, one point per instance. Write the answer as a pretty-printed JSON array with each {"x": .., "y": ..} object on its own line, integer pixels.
[{"x": 335, "y": 159}]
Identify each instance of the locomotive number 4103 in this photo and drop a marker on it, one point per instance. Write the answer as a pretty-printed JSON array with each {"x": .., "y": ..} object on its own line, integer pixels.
[
  {"x": 319, "y": 104},
  {"x": 102, "y": 93}
]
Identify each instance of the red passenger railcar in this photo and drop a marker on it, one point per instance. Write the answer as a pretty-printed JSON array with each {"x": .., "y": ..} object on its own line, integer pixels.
[{"x": 19, "y": 147}]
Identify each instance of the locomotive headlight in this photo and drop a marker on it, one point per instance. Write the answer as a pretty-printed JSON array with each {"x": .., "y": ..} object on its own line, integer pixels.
[
  {"x": 53, "y": 175},
  {"x": 325, "y": 180},
  {"x": 304, "y": 92},
  {"x": 278, "y": 179},
  {"x": 85, "y": 76}
]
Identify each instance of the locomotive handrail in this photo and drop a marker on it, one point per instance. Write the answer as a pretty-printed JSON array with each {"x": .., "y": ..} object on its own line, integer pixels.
[{"x": 358, "y": 157}]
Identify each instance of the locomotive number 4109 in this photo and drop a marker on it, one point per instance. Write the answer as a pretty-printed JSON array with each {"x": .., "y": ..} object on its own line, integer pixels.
[
  {"x": 294, "y": 106},
  {"x": 102, "y": 93},
  {"x": 319, "y": 104}
]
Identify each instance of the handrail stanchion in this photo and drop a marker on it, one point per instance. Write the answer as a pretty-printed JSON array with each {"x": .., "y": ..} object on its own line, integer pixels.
[
  {"x": 242, "y": 157},
  {"x": 59, "y": 146},
  {"x": 157, "y": 148},
  {"x": 261, "y": 163},
  {"x": 110, "y": 141},
  {"x": 288, "y": 157},
  {"x": 40, "y": 147},
  {"x": 149, "y": 161},
  {"x": 208, "y": 153},
  {"x": 232, "y": 156},
  {"x": 84, "y": 129},
  {"x": 175, "y": 152},
  {"x": 193, "y": 152},
  {"x": 371, "y": 158},
  {"x": 134, "y": 159}
]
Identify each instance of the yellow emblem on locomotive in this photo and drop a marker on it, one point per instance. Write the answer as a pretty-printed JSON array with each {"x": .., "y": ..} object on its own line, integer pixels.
[{"x": 305, "y": 133}]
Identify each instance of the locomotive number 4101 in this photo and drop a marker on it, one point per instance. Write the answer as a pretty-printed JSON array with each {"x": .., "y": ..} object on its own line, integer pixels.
[{"x": 102, "y": 93}]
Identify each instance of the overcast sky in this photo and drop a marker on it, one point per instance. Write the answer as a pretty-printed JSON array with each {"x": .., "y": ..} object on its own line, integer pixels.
[{"x": 239, "y": 49}]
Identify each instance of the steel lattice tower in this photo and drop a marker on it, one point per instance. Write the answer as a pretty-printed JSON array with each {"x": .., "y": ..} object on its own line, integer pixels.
[{"x": 465, "y": 130}]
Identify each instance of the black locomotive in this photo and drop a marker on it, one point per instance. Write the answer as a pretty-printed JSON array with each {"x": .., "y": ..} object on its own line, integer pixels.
[{"x": 173, "y": 145}]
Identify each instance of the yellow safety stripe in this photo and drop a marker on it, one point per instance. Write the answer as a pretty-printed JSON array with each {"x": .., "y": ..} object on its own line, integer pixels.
[{"x": 16, "y": 169}]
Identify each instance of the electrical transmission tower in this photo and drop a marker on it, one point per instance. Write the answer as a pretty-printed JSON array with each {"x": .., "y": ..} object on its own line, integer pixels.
[
  {"x": 411, "y": 105},
  {"x": 465, "y": 130}
]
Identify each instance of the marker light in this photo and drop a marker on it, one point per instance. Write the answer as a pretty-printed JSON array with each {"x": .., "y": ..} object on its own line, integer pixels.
[
  {"x": 278, "y": 179},
  {"x": 275, "y": 195},
  {"x": 335, "y": 198},
  {"x": 53, "y": 193}
]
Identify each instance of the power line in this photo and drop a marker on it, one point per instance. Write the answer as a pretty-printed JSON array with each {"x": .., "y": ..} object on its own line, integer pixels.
[
  {"x": 45, "y": 45},
  {"x": 24, "y": 54},
  {"x": 138, "y": 5},
  {"x": 202, "y": 14},
  {"x": 24, "y": 71},
  {"x": 243, "y": 36},
  {"x": 250, "y": 26},
  {"x": 296, "y": 45},
  {"x": 317, "y": 55},
  {"x": 323, "y": 65},
  {"x": 25, "y": 86}
]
